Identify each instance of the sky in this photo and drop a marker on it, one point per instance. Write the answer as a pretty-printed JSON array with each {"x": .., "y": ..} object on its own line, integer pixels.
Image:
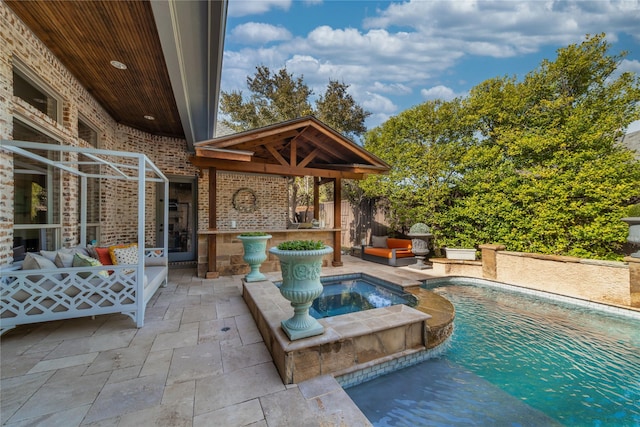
[{"x": 398, "y": 54}]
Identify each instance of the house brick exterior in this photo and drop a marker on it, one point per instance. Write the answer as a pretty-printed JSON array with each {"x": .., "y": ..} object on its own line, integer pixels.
[{"x": 118, "y": 205}]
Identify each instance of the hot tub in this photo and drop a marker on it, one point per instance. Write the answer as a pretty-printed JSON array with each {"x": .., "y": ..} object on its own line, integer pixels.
[{"x": 355, "y": 292}]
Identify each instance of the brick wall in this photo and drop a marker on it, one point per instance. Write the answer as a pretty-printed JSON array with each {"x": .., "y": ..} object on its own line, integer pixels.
[
  {"x": 118, "y": 202},
  {"x": 271, "y": 201},
  {"x": 118, "y": 210}
]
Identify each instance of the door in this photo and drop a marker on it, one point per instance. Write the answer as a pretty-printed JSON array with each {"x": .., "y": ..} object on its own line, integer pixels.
[{"x": 182, "y": 218}]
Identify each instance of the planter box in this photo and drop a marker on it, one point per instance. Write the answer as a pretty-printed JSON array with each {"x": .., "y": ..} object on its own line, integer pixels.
[{"x": 464, "y": 254}]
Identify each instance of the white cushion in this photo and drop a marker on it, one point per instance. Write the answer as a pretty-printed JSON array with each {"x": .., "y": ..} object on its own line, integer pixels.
[
  {"x": 155, "y": 261},
  {"x": 38, "y": 262},
  {"x": 127, "y": 255},
  {"x": 63, "y": 260}
]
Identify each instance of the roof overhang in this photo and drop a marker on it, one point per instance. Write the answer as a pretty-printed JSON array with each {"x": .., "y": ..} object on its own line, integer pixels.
[
  {"x": 300, "y": 147},
  {"x": 192, "y": 38},
  {"x": 172, "y": 49}
]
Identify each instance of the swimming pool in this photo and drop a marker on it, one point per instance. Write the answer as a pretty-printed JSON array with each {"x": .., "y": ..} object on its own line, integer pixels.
[{"x": 516, "y": 359}]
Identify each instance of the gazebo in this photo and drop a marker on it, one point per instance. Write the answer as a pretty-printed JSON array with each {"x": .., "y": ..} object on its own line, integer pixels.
[{"x": 299, "y": 147}]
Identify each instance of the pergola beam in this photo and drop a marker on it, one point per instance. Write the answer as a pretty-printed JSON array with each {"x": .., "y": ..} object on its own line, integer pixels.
[{"x": 272, "y": 169}]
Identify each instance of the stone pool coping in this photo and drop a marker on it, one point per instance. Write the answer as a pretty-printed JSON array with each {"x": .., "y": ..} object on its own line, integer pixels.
[{"x": 351, "y": 342}]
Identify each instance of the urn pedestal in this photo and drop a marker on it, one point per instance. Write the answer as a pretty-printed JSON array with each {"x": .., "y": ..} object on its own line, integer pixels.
[
  {"x": 255, "y": 253},
  {"x": 420, "y": 248},
  {"x": 301, "y": 285}
]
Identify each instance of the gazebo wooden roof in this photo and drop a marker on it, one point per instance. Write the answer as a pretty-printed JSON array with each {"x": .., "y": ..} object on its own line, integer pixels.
[{"x": 299, "y": 147}]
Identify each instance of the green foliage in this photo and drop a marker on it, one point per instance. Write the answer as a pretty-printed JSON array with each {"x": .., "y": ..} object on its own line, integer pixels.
[
  {"x": 275, "y": 97},
  {"x": 301, "y": 245},
  {"x": 543, "y": 170},
  {"x": 254, "y": 234},
  {"x": 279, "y": 96},
  {"x": 422, "y": 144},
  {"x": 634, "y": 210},
  {"x": 340, "y": 111}
]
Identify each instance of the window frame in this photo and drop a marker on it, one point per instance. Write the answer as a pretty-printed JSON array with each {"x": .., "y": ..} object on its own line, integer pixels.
[
  {"x": 38, "y": 83},
  {"x": 87, "y": 123},
  {"x": 54, "y": 206}
]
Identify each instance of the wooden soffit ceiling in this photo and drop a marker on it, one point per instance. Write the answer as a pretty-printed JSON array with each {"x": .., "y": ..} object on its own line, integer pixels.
[
  {"x": 146, "y": 36},
  {"x": 300, "y": 147}
]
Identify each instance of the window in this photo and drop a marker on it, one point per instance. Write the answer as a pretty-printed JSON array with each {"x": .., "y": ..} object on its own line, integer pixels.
[
  {"x": 31, "y": 90},
  {"x": 37, "y": 188},
  {"x": 87, "y": 132},
  {"x": 93, "y": 202}
]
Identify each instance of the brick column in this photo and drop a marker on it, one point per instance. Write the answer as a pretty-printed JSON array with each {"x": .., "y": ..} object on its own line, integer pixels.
[
  {"x": 634, "y": 280},
  {"x": 489, "y": 266},
  {"x": 212, "y": 251}
]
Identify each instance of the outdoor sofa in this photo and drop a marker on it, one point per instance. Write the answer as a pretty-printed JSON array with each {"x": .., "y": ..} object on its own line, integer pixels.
[
  {"x": 389, "y": 251},
  {"x": 75, "y": 285}
]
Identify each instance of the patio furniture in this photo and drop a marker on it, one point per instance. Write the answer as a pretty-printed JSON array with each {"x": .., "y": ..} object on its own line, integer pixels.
[
  {"x": 389, "y": 251},
  {"x": 45, "y": 292}
]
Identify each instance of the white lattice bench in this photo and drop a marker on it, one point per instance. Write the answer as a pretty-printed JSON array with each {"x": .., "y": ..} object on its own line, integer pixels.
[{"x": 33, "y": 296}]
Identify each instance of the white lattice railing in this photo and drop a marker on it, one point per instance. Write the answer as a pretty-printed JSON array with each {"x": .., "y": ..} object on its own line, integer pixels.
[{"x": 31, "y": 296}]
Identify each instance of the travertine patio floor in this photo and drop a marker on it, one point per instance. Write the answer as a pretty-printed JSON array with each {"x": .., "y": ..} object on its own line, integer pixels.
[{"x": 199, "y": 360}]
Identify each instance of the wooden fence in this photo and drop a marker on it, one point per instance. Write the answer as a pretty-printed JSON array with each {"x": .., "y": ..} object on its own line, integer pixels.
[{"x": 358, "y": 222}]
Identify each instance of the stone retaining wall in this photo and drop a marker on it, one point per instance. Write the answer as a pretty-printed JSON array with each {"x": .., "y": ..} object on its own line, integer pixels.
[{"x": 608, "y": 282}]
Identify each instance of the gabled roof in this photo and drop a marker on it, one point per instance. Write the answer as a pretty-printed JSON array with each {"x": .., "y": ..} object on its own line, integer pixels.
[
  {"x": 300, "y": 147},
  {"x": 172, "y": 50}
]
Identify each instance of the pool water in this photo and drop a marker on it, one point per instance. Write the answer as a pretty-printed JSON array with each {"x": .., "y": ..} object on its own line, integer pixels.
[
  {"x": 516, "y": 360},
  {"x": 352, "y": 293}
]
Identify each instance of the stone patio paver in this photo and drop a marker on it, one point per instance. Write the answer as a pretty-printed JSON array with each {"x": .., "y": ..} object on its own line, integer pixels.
[{"x": 198, "y": 361}]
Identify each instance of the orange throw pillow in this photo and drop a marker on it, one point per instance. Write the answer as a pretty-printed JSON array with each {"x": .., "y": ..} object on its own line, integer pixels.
[{"x": 103, "y": 256}]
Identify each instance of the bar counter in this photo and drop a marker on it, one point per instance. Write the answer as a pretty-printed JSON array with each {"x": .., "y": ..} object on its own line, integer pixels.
[{"x": 223, "y": 248}]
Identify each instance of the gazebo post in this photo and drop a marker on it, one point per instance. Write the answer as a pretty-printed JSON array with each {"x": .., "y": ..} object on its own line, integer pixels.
[
  {"x": 212, "y": 251},
  {"x": 337, "y": 223},
  {"x": 316, "y": 198}
]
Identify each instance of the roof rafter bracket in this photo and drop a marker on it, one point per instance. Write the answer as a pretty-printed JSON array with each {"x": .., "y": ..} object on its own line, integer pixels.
[
  {"x": 277, "y": 155},
  {"x": 312, "y": 155}
]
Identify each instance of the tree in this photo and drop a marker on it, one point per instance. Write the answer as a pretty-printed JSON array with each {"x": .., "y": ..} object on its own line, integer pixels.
[
  {"x": 547, "y": 174},
  {"x": 423, "y": 144},
  {"x": 274, "y": 98},
  {"x": 533, "y": 164},
  {"x": 277, "y": 97},
  {"x": 340, "y": 111}
]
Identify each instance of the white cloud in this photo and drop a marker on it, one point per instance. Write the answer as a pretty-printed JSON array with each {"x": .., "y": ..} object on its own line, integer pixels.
[
  {"x": 256, "y": 32},
  {"x": 414, "y": 44},
  {"x": 507, "y": 28},
  {"x": 631, "y": 66},
  {"x": 377, "y": 103},
  {"x": 440, "y": 92},
  {"x": 391, "y": 88},
  {"x": 238, "y": 8}
]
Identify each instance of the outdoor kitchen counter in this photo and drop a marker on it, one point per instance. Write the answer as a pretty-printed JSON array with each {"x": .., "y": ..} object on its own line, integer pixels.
[{"x": 229, "y": 252}]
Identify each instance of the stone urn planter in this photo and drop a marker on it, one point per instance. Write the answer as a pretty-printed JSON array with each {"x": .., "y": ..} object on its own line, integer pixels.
[
  {"x": 420, "y": 236},
  {"x": 255, "y": 253},
  {"x": 634, "y": 233},
  {"x": 301, "y": 264},
  {"x": 468, "y": 254}
]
